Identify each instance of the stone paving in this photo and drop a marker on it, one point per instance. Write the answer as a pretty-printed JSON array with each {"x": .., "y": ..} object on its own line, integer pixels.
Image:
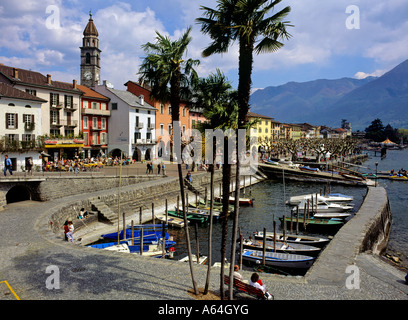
[{"x": 32, "y": 256}]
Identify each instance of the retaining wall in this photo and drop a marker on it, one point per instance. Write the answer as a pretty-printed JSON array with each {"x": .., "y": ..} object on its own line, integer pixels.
[{"x": 368, "y": 230}]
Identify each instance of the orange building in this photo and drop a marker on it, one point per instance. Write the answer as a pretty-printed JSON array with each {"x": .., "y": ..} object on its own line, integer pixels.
[
  {"x": 163, "y": 121},
  {"x": 94, "y": 121}
]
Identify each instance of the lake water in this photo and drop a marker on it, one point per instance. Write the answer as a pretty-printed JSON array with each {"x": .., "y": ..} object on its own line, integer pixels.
[{"x": 269, "y": 205}]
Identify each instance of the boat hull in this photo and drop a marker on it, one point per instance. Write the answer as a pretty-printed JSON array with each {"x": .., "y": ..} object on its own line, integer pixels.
[
  {"x": 276, "y": 259},
  {"x": 293, "y": 248},
  {"x": 293, "y": 238}
]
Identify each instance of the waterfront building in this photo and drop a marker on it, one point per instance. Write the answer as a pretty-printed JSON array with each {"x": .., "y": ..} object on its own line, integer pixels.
[
  {"x": 131, "y": 123},
  {"x": 163, "y": 124},
  {"x": 196, "y": 117},
  {"x": 94, "y": 122},
  {"x": 262, "y": 128},
  {"x": 20, "y": 126},
  {"x": 275, "y": 130},
  {"x": 60, "y": 115},
  {"x": 295, "y": 131}
]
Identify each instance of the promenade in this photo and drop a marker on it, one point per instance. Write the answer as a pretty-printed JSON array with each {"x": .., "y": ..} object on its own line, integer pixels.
[{"x": 31, "y": 254}]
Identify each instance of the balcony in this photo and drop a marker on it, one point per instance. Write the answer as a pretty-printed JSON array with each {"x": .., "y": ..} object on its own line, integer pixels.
[
  {"x": 139, "y": 142},
  {"x": 71, "y": 107},
  {"x": 69, "y": 123},
  {"x": 29, "y": 126},
  {"x": 56, "y": 106},
  {"x": 139, "y": 125},
  {"x": 95, "y": 112},
  {"x": 97, "y": 128},
  {"x": 150, "y": 126}
]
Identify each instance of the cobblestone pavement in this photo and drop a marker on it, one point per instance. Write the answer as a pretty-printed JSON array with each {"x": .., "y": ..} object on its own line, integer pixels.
[{"x": 32, "y": 257}]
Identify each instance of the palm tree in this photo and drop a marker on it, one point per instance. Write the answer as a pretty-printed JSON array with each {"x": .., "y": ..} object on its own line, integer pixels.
[
  {"x": 170, "y": 76},
  {"x": 215, "y": 96},
  {"x": 248, "y": 22}
]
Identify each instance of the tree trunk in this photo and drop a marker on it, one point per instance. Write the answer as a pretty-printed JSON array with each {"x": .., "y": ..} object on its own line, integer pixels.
[
  {"x": 207, "y": 282},
  {"x": 175, "y": 102},
  {"x": 226, "y": 178}
]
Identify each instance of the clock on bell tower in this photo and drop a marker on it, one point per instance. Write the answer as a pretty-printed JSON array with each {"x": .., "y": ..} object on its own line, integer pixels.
[{"x": 90, "y": 56}]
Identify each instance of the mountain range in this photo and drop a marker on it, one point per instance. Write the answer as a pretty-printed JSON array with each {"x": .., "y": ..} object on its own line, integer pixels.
[{"x": 327, "y": 102}]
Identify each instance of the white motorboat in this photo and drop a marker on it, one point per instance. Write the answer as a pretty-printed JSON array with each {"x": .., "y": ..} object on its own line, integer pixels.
[
  {"x": 330, "y": 198},
  {"x": 323, "y": 206}
]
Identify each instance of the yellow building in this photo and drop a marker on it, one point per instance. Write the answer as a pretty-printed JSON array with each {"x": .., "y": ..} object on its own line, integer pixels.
[
  {"x": 295, "y": 131},
  {"x": 262, "y": 128}
]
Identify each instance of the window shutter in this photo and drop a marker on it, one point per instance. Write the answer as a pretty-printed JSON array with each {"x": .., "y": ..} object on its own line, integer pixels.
[
  {"x": 7, "y": 116},
  {"x": 16, "y": 120}
]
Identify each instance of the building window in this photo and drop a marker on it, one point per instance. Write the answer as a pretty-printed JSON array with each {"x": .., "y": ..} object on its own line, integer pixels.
[
  {"x": 94, "y": 123},
  {"x": 114, "y": 106},
  {"x": 161, "y": 109},
  {"x": 86, "y": 139},
  {"x": 169, "y": 129},
  {"x": 184, "y": 111},
  {"x": 103, "y": 138},
  {"x": 95, "y": 105},
  {"x": 103, "y": 123},
  {"x": 32, "y": 92},
  {"x": 68, "y": 101},
  {"x": 169, "y": 109},
  {"x": 161, "y": 129},
  {"x": 85, "y": 122},
  {"x": 11, "y": 120},
  {"x": 85, "y": 104},
  {"x": 88, "y": 58},
  {"x": 54, "y": 99},
  {"x": 138, "y": 136}
]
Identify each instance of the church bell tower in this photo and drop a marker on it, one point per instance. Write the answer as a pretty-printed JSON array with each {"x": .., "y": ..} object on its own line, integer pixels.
[{"x": 90, "y": 56}]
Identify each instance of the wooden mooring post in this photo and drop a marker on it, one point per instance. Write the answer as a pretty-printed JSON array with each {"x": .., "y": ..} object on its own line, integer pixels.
[{"x": 264, "y": 246}]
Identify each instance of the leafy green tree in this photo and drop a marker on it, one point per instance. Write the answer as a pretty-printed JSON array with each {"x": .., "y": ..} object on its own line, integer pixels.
[
  {"x": 248, "y": 22},
  {"x": 170, "y": 76},
  {"x": 375, "y": 131}
]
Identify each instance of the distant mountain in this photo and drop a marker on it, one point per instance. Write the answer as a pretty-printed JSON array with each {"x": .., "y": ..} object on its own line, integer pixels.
[{"x": 326, "y": 102}]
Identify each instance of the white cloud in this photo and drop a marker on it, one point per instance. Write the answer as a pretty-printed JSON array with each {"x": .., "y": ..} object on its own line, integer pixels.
[{"x": 363, "y": 75}]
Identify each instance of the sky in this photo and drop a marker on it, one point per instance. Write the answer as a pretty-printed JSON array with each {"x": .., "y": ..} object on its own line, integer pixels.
[{"x": 329, "y": 39}]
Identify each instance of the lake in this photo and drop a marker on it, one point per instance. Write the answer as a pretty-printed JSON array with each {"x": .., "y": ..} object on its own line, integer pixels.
[{"x": 269, "y": 198}]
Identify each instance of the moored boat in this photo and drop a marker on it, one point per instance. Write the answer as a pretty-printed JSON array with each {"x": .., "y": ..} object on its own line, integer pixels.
[
  {"x": 278, "y": 259},
  {"x": 330, "y": 198},
  {"x": 278, "y": 246},
  {"x": 242, "y": 201},
  {"x": 173, "y": 221},
  {"x": 323, "y": 206},
  {"x": 323, "y": 225},
  {"x": 294, "y": 238},
  {"x": 190, "y": 217}
]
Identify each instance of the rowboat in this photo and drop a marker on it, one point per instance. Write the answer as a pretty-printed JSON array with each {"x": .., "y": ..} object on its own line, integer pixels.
[
  {"x": 307, "y": 168},
  {"x": 323, "y": 206},
  {"x": 149, "y": 236},
  {"x": 128, "y": 244},
  {"x": 150, "y": 251},
  {"x": 190, "y": 217},
  {"x": 294, "y": 248},
  {"x": 278, "y": 259},
  {"x": 330, "y": 215},
  {"x": 330, "y": 198},
  {"x": 201, "y": 212},
  {"x": 324, "y": 225},
  {"x": 201, "y": 259},
  {"x": 294, "y": 238},
  {"x": 173, "y": 221},
  {"x": 242, "y": 201}
]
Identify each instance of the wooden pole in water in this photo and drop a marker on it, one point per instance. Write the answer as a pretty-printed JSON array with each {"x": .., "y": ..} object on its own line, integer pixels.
[
  {"x": 297, "y": 219},
  {"x": 284, "y": 226},
  {"x": 140, "y": 215},
  {"x": 304, "y": 217},
  {"x": 120, "y": 182},
  {"x": 124, "y": 226},
  {"x": 291, "y": 222},
  {"x": 307, "y": 208},
  {"x": 141, "y": 241},
  {"x": 153, "y": 213},
  {"x": 264, "y": 246},
  {"x": 274, "y": 235},
  {"x": 197, "y": 244},
  {"x": 166, "y": 211},
  {"x": 133, "y": 233},
  {"x": 163, "y": 240},
  {"x": 205, "y": 197},
  {"x": 177, "y": 206},
  {"x": 241, "y": 247}
]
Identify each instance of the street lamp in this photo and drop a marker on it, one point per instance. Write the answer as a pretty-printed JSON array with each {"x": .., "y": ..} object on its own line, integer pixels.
[{"x": 376, "y": 166}]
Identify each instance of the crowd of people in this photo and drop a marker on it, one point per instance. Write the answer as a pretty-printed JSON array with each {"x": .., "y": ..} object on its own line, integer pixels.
[{"x": 77, "y": 165}]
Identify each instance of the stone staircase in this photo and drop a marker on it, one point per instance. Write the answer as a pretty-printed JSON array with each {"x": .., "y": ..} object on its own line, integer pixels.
[{"x": 103, "y": 210}]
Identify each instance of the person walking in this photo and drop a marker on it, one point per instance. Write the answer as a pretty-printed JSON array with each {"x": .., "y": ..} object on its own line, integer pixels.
[{"x": 7, "y": 165}]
